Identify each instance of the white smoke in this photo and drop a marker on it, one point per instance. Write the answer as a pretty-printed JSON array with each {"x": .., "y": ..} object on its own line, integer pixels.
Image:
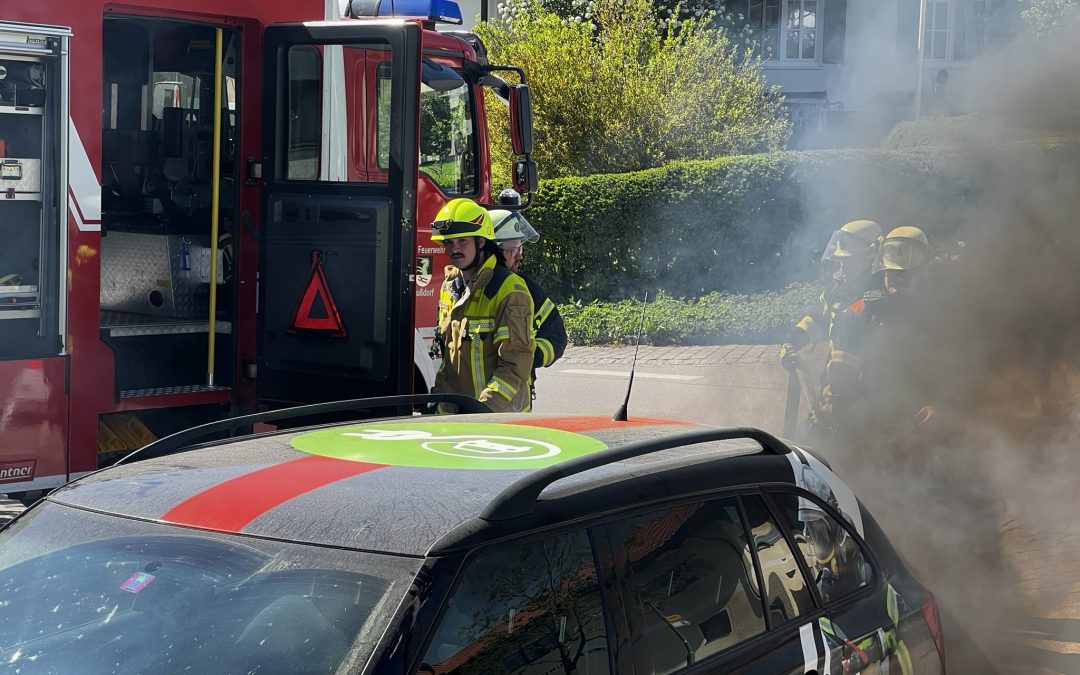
[{"x": 977, "y": 497}]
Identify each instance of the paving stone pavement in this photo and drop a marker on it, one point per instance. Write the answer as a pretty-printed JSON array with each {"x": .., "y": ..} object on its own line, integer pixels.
[
  {"x": 9, "y": 508},
  {"x": 710, "y": 355}
]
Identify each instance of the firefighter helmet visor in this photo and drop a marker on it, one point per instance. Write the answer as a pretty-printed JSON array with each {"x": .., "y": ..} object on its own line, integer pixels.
[
  {"x": 511, "y": 226},
  {"x": 847, "y": 245},
  {"x": 452, "y": 229},
  {"x": 903, "y": 254},
  {"x": 461, "y": 218}
]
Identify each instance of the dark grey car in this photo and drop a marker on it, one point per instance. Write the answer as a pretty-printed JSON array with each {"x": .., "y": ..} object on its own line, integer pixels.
[{"x": 473, "y": 544}]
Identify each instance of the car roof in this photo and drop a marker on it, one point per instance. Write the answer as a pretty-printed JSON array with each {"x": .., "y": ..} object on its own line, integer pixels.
[{"x": 410, "y": 485}]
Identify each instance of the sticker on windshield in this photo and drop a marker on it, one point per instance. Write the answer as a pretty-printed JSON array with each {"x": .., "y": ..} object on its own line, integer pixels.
[
  {"x": 136, "y": 582},
  {"x": 440, "y": 445}
]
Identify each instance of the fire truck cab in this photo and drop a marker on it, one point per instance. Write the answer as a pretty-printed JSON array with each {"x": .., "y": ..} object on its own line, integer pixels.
[{"x": 213, "y": 206}]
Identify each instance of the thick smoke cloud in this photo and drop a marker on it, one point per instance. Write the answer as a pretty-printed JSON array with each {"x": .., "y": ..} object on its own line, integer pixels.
[{"x": 981, "y": 499}]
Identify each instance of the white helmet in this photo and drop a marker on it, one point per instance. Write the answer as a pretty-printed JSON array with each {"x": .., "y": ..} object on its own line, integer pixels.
[{"x": 511, "y": 226}]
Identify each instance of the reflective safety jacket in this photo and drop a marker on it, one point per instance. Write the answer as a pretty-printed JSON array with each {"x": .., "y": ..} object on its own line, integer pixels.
[
  {"x": 486, "y": 332},
  {"x": 549, "y": 327},
  {"x": 815, "y": 327}
]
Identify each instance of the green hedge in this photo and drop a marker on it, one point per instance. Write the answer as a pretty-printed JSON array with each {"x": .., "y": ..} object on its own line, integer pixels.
[
  {"x": 716, "y": 318},
  {"x": 986, "y": 132},
  {"x": 736, "y": 224}
]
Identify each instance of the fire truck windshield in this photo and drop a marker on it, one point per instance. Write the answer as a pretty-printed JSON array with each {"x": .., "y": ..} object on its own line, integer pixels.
[{"x": 89, "y": 593}]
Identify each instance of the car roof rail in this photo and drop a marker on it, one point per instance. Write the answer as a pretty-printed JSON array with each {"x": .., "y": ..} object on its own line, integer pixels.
[
  {"x": 520, "y": 497},
  {"x": 184, "y": 438}
]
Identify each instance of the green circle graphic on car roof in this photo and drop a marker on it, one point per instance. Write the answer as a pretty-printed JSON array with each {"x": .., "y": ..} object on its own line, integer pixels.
[{"x": 448, "y": 445}]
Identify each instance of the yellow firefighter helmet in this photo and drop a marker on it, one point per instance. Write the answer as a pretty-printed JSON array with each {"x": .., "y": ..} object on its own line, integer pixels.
[
  {"x": 905, "y": 248},
  {"x": 462, "y": 218},
  {"x": 857, "y": 238}
]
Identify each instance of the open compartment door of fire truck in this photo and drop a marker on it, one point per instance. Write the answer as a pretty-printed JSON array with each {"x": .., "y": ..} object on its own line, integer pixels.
[
  {"x": 335, "y": 299},
  {"x": 34, "y": 80}
]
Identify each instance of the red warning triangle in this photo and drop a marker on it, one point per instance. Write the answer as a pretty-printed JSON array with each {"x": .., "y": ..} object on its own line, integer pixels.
[{"x": 316, "y": 310}]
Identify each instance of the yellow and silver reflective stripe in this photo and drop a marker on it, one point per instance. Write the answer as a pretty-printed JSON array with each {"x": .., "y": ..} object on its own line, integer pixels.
[
  {"x": 544, "y": 311},
  {"x": 479, "y": 381},
  {"x": 847, "y": 358},
  {"x": 502, "y": 334},
  {"x": 481, "y": 325},
  {"x": 503, "y": 387},
  {"x": 547, "y": 351}
]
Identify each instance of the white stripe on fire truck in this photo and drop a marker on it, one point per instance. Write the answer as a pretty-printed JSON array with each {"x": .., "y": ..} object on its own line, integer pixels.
[{"x": 84, "y": 190}]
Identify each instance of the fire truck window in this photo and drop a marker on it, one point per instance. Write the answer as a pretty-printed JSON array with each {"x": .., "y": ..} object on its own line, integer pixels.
[
  {"x": 447, "y": 135},
  {"x": 787, "y": 594},
  {"x": 305, "y": 114},
  {"x": 833, "y": 557}
]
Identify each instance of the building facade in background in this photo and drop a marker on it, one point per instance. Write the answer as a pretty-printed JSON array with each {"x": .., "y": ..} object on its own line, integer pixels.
[{"x": 849, "y": 69}]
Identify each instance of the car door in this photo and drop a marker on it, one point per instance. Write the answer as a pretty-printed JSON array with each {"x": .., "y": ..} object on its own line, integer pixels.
[{"x": 335, "y": 312}]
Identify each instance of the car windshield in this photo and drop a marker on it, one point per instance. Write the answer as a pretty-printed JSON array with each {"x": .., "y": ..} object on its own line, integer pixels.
[{"x": 88, "y": 593}]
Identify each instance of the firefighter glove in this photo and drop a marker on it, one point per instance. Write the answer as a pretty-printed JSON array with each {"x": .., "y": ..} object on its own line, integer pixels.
[{"x": 789, "y": 355}]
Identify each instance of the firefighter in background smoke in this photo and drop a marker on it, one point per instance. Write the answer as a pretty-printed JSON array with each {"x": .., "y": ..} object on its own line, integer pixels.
[
  {"x": 845, "y": 275},
  {"x": 484, "y": 333},
  {"x": 512, "y": 232},
  {"x": 862, "y": 342}
]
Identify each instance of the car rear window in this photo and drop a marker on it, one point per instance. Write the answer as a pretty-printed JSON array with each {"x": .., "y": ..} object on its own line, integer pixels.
[
  {"x": 88, "y": 593},
  {"x": 532, "y": 608},
  {"x": 832, "y": 555},
  {"x": 787, "y": 593},
  {"x": 695, "y": 590}
]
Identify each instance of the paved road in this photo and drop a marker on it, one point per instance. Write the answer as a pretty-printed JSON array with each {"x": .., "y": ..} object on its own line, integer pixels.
[
  {"x": 723, "y": 385},
  {"x": 745, "y": 385}
]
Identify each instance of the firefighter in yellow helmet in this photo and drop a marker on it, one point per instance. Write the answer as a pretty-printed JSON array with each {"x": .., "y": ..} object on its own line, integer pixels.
[
  {"x": 846, "y": 273},
  {"x": 859, "y": 333},
  {"x": 485, "y": 315}
]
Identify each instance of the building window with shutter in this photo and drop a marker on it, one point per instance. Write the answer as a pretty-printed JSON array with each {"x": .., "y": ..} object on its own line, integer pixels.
[
  {"x": 955, "y": 30},
  {"x": 800, "y": 30},
  {"x": 783, "y": 30}
]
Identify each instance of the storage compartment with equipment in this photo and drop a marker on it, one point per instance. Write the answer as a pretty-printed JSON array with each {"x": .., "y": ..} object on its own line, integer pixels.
[
  {"x": 158, "y": 190},
  {"x": 33, "y": 189}
]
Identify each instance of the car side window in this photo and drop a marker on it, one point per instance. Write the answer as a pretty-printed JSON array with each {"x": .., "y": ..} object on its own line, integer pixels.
[
  {"x": 694, "y": 584},
  {"x": 787, "y": 594},
  {"x": 533, "y": 608},
  {"x": 833, "y": 556}
]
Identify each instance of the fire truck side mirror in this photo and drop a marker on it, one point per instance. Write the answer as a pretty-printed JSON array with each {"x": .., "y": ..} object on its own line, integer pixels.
[
  {"x": 526, "y": 177},
  {"x": 521, "y": 120}
]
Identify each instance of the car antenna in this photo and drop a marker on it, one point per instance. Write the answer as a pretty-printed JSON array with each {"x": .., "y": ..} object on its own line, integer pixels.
[{"x": 620, "y": 414}]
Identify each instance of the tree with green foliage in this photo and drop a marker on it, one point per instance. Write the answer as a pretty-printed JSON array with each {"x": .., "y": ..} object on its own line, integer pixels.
[
  {"x": 1045, "y": 16},
  {"x": 628, "y": 89}
]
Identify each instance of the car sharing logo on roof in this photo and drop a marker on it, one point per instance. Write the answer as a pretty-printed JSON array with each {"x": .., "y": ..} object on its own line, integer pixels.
[{"x": 449, "y": 445}]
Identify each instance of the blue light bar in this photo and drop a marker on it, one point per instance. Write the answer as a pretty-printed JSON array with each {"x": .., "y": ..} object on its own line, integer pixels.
[{"x": 439, "y": 11}]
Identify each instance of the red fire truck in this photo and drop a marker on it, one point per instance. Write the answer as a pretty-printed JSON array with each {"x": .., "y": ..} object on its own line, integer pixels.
[{"x": 207, "y": 206}]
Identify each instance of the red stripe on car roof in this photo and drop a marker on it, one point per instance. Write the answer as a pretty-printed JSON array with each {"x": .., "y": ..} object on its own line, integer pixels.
[
  {"x": 232, "y": 505},
  {"x": 581, "y": 423}
]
